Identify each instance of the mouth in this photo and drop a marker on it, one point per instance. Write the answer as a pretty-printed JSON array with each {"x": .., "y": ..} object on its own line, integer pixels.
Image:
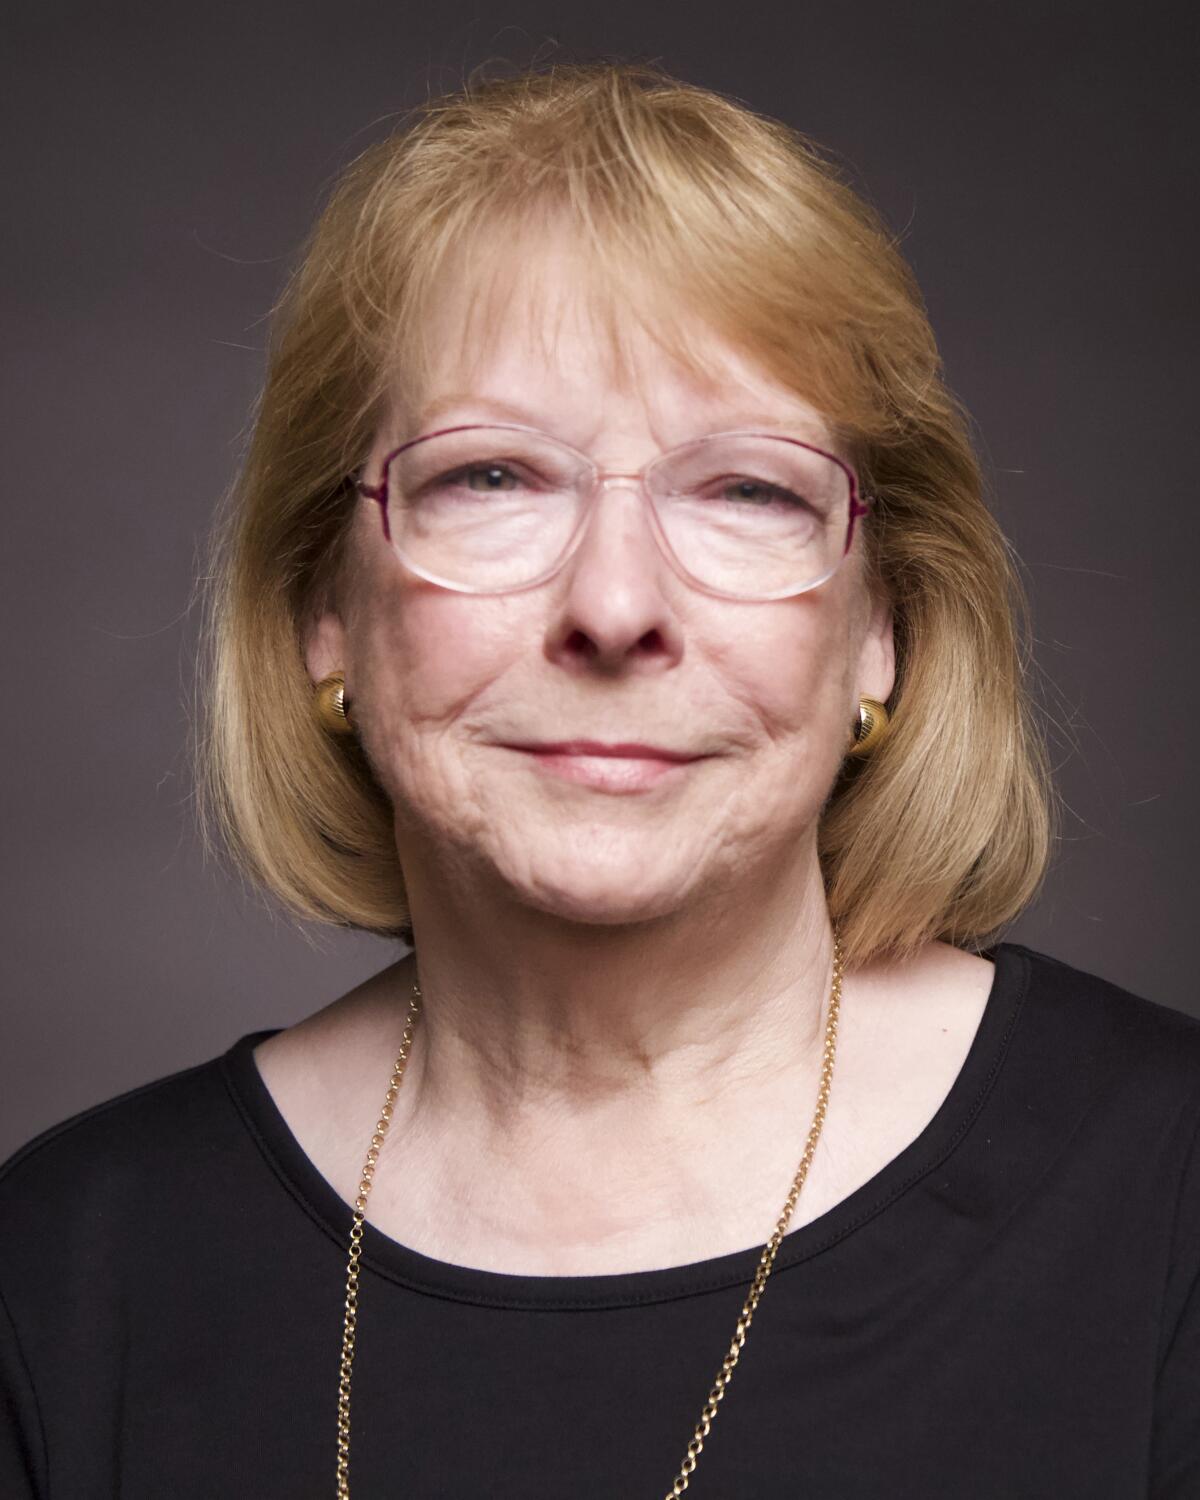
[
  {"x": 621, "y": 767},
  {"x": 624, "y": 750}
]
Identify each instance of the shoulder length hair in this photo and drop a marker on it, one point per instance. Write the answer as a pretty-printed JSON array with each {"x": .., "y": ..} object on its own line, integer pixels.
[{"x": 733, "y": 221}]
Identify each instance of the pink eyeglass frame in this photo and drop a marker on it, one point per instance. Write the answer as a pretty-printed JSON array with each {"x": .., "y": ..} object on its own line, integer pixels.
[{"x": 601, "y": 479}]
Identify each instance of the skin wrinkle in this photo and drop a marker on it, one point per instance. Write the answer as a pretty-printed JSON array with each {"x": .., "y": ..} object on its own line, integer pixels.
[{"x": 591, "y": 925}]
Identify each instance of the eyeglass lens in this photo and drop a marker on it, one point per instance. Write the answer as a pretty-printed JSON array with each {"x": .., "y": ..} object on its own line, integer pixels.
[{"x": 493, "y": 508}]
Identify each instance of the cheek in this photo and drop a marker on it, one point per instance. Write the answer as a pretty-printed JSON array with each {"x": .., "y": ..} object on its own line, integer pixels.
[
  {"x": 425, "y": 654},
  {"x": 793, "y": 670},
  {"x": 422, "y": 657}
]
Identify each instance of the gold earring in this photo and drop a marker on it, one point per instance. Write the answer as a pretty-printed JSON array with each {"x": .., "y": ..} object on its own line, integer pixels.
[
  {"x": 332, "y": 710},
  {"x": 873, "y": 720}
]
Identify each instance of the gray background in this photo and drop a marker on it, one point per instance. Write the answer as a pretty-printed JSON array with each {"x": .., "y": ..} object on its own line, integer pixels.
[{"x": 1039, "y": 161}]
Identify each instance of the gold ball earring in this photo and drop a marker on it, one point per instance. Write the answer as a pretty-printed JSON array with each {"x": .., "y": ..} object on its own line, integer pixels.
[
  {"x": 873, "y": 720},
  {"x": 329, "y": 702}
]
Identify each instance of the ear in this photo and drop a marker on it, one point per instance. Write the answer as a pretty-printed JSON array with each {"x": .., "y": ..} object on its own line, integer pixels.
[
  {"x": 876, "y": 676},
  {"x": 325, "y": 645}
]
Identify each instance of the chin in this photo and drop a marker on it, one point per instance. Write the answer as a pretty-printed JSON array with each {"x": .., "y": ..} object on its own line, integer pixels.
[
  {"x": 613, "y": 891},
  {"x": 602, "y": 909}
]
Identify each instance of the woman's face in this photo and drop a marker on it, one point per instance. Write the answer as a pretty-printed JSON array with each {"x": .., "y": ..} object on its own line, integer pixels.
[{"x": 616, "y": 648}]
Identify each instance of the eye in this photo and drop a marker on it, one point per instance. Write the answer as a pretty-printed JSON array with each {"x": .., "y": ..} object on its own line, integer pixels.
[
  {"x": 756, "y": 492},
  {"x": 485, "y": 478}
]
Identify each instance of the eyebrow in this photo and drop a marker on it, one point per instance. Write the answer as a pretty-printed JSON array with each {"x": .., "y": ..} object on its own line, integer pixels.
[{"x": 503, "y": 409}]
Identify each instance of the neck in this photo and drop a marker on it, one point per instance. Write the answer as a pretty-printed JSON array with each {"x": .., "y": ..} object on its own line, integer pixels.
[
  {"x": 586, "y": 1098},
  {"x": 528, "y": 1019}
]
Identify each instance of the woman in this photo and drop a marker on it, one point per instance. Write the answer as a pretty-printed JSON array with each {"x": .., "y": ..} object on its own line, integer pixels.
[{"x": 608, "y": 606}]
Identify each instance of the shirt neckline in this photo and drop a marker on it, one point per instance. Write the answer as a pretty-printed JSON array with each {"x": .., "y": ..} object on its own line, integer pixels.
[{"x": 399, "y": 1264}]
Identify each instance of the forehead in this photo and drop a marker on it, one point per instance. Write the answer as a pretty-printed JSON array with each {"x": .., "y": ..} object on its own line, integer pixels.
[{"x": 539, "y": 334}]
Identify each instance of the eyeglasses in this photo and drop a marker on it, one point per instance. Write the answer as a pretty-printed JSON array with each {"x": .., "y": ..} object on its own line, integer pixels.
[{"x": 491, "y": 509}]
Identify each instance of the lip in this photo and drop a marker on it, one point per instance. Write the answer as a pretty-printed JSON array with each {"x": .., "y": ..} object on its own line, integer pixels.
[
  {"x": 617, "y": 768},
  {"x": 625, "y": 750}
]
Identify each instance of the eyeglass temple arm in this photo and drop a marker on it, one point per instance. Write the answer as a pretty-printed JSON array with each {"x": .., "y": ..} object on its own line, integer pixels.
[{"x": 371, "y": 491}]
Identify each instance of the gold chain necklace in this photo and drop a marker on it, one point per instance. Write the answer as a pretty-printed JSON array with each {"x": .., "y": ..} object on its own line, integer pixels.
[{"x": 767, "y": 1260}]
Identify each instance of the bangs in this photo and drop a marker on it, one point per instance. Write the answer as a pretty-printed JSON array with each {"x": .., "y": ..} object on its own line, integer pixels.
[
  {"x": 663, "y": 243},
  {"x": 547, "y": 280}
]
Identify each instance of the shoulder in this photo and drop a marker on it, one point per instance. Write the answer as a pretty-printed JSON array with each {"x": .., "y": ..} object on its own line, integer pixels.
[
  {"x": 107, "y": 1219},
  {"x": 1130, "y": 1068},
  {"x": 1136, "y": 1046},
  {"x": 171, "y": 1145},
  {"x": 1109, "y": 1007},
  {"x": 88, "y": 1171}
]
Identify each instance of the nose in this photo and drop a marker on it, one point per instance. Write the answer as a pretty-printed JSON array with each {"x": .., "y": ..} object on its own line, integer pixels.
[{"x": 615, "y": 602}]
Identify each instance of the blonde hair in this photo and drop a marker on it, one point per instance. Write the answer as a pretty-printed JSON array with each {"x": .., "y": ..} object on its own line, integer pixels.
[{"x": 945, "y": 831}]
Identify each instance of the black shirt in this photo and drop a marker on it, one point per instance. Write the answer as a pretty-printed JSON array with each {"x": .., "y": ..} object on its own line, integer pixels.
[{"x": 1008, "y": 1308}]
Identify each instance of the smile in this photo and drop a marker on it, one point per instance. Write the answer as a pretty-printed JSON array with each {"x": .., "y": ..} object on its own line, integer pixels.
[{"x": 605, "y": 768}]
